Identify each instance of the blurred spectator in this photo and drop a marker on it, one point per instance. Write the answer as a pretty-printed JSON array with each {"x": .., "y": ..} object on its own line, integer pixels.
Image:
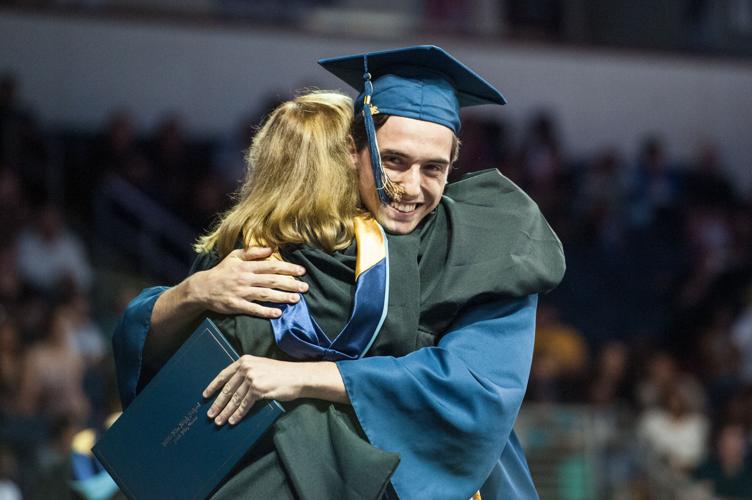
[
  {"x": 541, "y": 153},
  {"x": 675, "y": 431},
  {"x": 727, "y": 472},
  {"x": 22, "y": 144},
  {"x": 10, "y": 284},
  {"x": 741, "y": 336},
  {"x": 52, "y": 376},
  {"x": 50, "y": 257},
  {"x": 31, "y": 314},
  {"x": 541, "y": 164},
  {"x": 13, "y": 121},
  {"x": 117, "y": 144},
  {"x": 13, "y": 206},
  {"x": 54, "y": 472},
  {"x": 87, "y": 338},
  {"x": 610, "y": 384},
  {"x": 172, "y": 162},
  {"x": 706, "y": 184},
  {"x": 485, "y": 144},
  {"x": 89, "y": 344},
  {"x": 559, "y": 361},
  {"x": 228, "y": 159},
  {"x": 600, "y": 198},
  {"x": 8, "y": 470},
  {"x": 10, "y": 362},
  {"x": 741, "y": 253},
  {"x": 661, "y": 375},
  {"x": 718, "y": 358},
  {"x": 744, "y": 408},
  {"x": 118, "y": 151},
  {"x": 209, "y": 198},
  {"x": 609, "y": 396},
  {"x": 111, "y": 311},
  {"x": 655, "y": 186},
  {"x": 713, "y": 279},
  {"x": 138, "y": 170},
  {"x": 709, "y": 237}
]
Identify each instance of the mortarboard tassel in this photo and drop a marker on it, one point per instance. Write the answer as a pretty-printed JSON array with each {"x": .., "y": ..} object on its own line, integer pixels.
[{"x": 385, "y": 187}]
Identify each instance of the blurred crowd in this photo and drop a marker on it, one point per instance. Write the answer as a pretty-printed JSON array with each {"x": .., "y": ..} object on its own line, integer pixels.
[
  {"x": 654, "y": 317},
  {"x": 653, "y": 320}
]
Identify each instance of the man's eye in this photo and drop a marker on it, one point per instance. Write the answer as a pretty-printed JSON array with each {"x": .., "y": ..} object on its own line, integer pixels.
[
  {"x": 394, "y": 160},
  {"x": 434, "y": 168}
]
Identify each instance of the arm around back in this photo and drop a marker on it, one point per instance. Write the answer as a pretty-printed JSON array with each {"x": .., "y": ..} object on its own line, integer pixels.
[{"x": 156, "y": 321}]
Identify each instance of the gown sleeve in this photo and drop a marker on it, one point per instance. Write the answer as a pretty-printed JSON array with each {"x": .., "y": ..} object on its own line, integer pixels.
[
  {"x": 129, "y": 337},
  {"x": 128, "y": 342},
  {"x": 448, "y": 410}
]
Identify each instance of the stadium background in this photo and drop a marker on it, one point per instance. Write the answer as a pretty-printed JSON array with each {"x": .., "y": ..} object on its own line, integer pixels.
[{"x": 122, "y": 127}]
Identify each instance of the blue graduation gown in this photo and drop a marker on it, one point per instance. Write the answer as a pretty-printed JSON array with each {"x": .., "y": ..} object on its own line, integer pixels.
[{"x": 448, "y": 410}]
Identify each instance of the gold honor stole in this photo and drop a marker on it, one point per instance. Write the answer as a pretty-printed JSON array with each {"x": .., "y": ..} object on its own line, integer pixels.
[{"x": 296, "y": 331}]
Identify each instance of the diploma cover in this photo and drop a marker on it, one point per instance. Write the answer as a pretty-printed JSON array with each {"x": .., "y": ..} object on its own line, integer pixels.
[{"x": 164, "y": 445}]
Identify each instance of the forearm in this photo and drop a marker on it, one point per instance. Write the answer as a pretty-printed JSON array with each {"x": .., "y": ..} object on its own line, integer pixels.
[
  {"x": 173, "y": 312},
  {"x": 176, "y": 308},
  {"x": 251, "y": 378},
  {"x": 322, "y": 380}
]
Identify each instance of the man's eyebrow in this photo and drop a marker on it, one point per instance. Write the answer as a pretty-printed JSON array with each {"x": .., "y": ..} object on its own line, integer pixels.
[
  {"x": 393, "y": 152},
  {"x": 400, "y": 154}
]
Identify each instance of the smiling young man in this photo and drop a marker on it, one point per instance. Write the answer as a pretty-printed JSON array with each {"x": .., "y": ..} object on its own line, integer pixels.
[
  {"x": 476, "y": 254},
  {"x": 417, "y": 156}
]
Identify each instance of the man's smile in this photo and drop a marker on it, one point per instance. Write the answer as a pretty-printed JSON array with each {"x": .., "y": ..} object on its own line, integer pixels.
[{"x": 404, "y": 208}]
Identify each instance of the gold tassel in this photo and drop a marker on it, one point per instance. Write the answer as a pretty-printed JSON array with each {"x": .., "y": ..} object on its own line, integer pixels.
[{"x": 393, "y": 190}]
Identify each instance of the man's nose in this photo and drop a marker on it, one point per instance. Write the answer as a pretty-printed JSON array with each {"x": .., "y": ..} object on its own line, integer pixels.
[{"x": 410, "y": 181}]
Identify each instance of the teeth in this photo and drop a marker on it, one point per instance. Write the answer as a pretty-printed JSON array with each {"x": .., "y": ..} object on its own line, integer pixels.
[{"x": 403, "y": 207}]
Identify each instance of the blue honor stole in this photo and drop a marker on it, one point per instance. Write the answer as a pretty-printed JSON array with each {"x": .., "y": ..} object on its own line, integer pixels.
[{"x": 296, "y": 331}]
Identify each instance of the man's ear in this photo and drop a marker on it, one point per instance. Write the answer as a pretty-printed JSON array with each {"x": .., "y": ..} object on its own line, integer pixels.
[{"x": 353, "y": 152}]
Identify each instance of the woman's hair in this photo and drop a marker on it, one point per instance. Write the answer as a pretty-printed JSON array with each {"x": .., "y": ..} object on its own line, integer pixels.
[{"x": 300, "y": 185}]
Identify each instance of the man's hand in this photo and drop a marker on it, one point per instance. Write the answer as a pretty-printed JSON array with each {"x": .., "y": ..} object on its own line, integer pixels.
[
  {"x": 235, "y": 285},
  {"x": 251, "y": 378},
  {"x": 231, "y": 287}
]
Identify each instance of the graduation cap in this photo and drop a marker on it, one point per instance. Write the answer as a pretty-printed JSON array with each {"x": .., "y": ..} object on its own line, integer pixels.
[{"x": 423, "y": 82}]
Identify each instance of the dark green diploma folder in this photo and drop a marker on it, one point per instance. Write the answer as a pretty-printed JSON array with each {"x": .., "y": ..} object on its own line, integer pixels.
[{"x": 164, "y": 445}]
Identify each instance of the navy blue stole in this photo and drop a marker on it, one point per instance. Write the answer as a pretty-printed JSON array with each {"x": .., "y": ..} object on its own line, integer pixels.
[{"x": 296, "y": 331}]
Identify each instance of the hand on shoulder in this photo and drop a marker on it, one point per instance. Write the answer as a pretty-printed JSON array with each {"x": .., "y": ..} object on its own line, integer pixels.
[{"x": 244, "y": 278}]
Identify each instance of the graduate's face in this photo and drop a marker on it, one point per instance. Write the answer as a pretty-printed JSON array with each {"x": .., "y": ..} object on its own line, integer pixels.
[{"x": 415, "y": 155}]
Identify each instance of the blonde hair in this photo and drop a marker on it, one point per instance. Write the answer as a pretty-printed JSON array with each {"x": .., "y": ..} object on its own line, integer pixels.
[{"x": 300, "y": 186}]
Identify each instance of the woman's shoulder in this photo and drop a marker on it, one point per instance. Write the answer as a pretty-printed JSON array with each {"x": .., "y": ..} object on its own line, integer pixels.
[{"x": 204, "y": 261}]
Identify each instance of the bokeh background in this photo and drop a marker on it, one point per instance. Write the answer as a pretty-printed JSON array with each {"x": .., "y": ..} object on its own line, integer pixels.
[{"x": 122, "y": 131}]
